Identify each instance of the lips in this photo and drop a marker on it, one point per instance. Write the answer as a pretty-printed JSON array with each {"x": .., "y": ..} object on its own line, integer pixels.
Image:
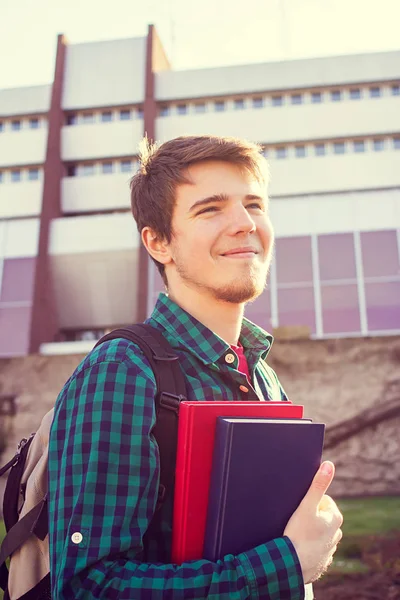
[{"x": 244, "y": 250}]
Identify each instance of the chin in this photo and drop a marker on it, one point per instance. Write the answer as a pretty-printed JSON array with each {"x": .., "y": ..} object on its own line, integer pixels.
[{"x": 238, "y": 294}]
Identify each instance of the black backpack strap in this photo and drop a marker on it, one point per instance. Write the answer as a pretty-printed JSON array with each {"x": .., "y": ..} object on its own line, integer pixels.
[{"x": 171, "y": 390}]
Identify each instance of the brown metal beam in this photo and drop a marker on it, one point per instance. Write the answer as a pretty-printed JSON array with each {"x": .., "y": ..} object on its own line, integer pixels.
[{"x": 44, "y": 320}]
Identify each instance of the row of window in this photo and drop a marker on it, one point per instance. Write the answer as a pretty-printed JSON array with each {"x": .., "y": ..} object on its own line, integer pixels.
[
  {"x": 104, "y": 167},
  {"x": 262, "y": 100},
  {"x": 20, "y": 124},
  {"x": 16, "y": 175},
  {"x": 259, "y": 101},
  {"x": 279, "y": 152},
  {"x": 104, "y": 116},
  {"x": 323, "y": 149}
]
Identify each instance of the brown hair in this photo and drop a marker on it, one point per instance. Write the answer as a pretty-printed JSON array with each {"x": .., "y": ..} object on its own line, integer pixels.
[{"x": 162, "y": 168}]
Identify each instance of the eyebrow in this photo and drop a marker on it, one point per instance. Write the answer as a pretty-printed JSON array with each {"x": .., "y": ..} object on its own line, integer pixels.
[{"x": 220, "y": 198}]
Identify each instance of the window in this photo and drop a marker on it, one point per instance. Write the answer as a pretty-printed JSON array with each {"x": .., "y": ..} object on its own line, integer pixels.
[
  {"x": 71, "y": 119},
  {"x": 359, "y": 146},
  {"x": 126, "y": 166},
  {"x": 319, "y": 149},
  {"x": 380, "y": 257},
  {"x": 294, "y": 271},
  {"x": 200, "y": 107},
  {"x": 277, "y": 100},
  {"x": 125, "y": 114},
  {"x": 1, "y": 176},
  {"x": 336, "y": 256},
  {"x": 300, "y": 151},
  {"x": 71, "y": 171},
  {"x": 164, "y": 111},
  {"x": 33, "y": 123},
  {"x": 296, "y": 99},
  {"x": 258, "y": 102},
  {"x": 379, "y": 145},
  {"x": 33, "y": 174},
  {"x": 374, "y": 92},
  {"x": 396, "y": 143},
  {"x": 219, "y": 106},
  {"x": 87, "y": 118},
  {"x": 139, "y": 112},
  {"x": 336, "y": 96},
  {"x": 265, "y": 152},
  {"x": 15, "y": 125},
  {"x": 107, "y": 167},
  {"x": 181, "y": 109},
  {"x": 15, "y": 176},
  {"x": 87, "y": 169},
  {"x": 106, "y": 116},
  {"x": 355, "y": 94},
  {"x": 1, "y": 126},
  {"x": 316, "y": 97},
  {"x": 339, "y": 148},
  {"x": 238, "y": 104},
  {"x": 395, "y": 90},
  {"x": 281, "y": 152}
]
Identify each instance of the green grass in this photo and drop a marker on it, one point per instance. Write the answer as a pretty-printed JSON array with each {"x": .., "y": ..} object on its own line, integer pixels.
[
  {"x": 370, "y": 516},
  {"x": 363, "y": 519}
]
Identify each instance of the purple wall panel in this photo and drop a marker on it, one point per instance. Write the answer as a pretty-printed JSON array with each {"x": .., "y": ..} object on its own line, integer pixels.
[
  {"x": 380, "y": 254},
  {"x": 293, "y": 260},
  {"x": 157, "y": 282},
  {"x": 336, "y": 256},
  {"x": 296, "y": 307},
  {"x": 259, "y": 311},
  {"x": 17, "y": 282},
  {"x": 14, "y": 330},
  {"x": 340, "y": 310},
  {"x": 383, "y": 305}
]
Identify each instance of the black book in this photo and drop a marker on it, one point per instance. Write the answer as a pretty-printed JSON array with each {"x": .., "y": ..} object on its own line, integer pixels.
[{"x": 262, "y": 468}]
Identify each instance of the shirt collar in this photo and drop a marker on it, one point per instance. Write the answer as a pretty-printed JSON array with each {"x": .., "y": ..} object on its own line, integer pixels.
[{"x": 198, "y": 339}]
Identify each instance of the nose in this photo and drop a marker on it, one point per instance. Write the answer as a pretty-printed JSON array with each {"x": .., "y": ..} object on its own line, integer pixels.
[{"x": 240, "y": 221}]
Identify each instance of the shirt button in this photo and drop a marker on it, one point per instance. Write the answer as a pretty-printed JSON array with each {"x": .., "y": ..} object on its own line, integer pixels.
[
  {"x": 230, "y": 358},
  {"x": 76, "y": 537},
  {"x": 243, "y": 388}
]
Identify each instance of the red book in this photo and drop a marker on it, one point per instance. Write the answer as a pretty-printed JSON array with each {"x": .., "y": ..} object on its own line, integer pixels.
[{"x": 196, "y": 432}]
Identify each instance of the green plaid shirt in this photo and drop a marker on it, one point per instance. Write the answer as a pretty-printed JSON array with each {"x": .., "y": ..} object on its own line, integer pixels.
[{"x": 104, "y": 473}]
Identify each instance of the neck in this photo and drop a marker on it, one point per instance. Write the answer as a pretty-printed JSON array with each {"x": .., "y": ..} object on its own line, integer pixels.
[{"x": 223, "y": 318}]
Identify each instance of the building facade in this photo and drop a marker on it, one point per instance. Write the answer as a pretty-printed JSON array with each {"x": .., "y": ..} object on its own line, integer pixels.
[{"x": 71, "y": 263}]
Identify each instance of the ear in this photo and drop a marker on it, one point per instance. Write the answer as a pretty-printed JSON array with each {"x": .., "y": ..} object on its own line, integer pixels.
[{"x": 157, "y": 248}]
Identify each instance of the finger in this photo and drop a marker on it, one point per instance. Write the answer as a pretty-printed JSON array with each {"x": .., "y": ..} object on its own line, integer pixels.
[
  {"x": 338, "y": 537},
  {"x": 319, "y": 485}
]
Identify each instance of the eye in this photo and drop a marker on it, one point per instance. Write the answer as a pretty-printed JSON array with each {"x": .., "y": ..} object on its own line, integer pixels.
[
  {"x": 255, "y": 205},
  {"x": 209, "y": 209}
]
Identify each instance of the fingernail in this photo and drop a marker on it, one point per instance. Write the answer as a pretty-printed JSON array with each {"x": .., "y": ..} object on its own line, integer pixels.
[{"x": 326, "y": 469}]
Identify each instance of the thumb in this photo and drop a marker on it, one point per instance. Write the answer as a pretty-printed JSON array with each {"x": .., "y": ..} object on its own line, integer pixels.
[{"x": 320, "y": 483}]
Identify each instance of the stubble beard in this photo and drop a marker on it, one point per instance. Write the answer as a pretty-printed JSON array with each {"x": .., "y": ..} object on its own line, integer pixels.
[{"x": 244, "y": 289}]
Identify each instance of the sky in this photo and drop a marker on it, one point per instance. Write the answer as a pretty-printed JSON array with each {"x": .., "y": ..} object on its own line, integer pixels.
[{"x": 195, "y": 33}]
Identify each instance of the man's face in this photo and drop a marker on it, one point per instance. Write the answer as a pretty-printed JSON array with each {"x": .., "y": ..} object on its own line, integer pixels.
[{"x": 222, "y": 235}]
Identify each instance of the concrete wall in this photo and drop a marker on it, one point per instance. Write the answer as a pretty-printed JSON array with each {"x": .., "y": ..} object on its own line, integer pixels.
[
  {"x": 108, "y": 73},
  {"x": 98, "y": 140},
  {"x": 278, "y": 75},
  {"x": 25, "y": 147}
]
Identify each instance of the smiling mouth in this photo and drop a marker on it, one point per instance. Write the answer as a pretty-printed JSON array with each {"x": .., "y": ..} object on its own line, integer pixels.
[{"x": 241, "y": 253}]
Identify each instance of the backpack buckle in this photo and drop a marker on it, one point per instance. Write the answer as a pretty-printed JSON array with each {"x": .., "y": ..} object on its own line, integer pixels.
[{"x": 171, "y": 401}]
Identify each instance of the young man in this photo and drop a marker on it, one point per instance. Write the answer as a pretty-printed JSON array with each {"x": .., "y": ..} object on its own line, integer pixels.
[{"x": 201, "y": 206}]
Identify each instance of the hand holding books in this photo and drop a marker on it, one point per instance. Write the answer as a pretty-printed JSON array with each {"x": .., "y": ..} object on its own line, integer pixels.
[{"x": 314, "y": 527}]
